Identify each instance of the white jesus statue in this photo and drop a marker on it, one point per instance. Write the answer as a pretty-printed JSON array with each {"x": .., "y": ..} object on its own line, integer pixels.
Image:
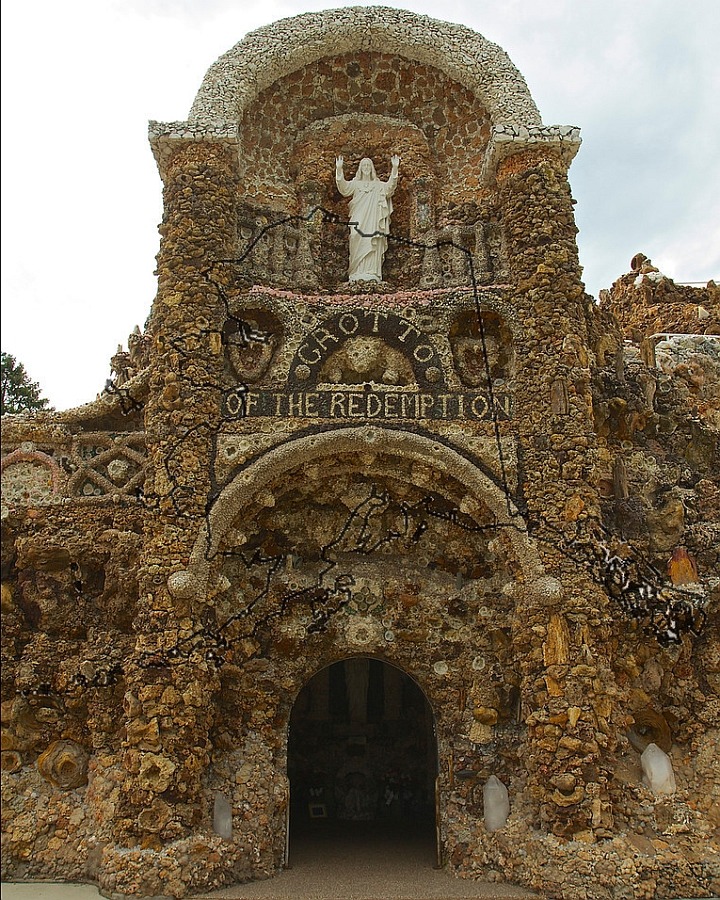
[{"x": 370, "y": 210}]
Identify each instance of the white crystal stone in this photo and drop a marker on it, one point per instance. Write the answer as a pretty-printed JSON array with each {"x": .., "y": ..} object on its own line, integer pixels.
[
  {"x": 496, "y": 803},
  {"x": 222, "y": 816},
  {"x": 657, "y": 770}
]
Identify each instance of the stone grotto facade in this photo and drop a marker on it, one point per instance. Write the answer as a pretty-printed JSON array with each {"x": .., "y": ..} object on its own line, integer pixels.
[{"x": 337, "y": 550}]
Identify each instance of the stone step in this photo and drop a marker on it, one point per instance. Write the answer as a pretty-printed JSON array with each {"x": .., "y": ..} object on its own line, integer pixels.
[{"x": 488, "y": 893}]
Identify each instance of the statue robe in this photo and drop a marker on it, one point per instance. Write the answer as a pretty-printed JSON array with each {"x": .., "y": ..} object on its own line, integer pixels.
[{"x": 370, "y": 210}]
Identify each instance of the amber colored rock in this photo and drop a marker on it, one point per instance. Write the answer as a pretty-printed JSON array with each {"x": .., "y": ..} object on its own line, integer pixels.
[
  {"x": 556, "y": 649},
  {"x": 64, "y": 764},
  {"x": 144, "y": 735},
  {"x": 6, "y": 597},
  {"x": 554, "y": 688},
  {"x": 573, "y": 508},
  {"x": 574, "y": 713},
  {"x": 682, "y": 567},
  {"x": 485, "y": 715}
]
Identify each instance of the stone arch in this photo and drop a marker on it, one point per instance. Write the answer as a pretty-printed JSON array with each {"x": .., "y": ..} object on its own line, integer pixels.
[
  {"x": 30, "y": 476},
  {"x": 396, "y": 693},
  {"x": 259, "y": 474},
  {"x": 277, "y": 50}
]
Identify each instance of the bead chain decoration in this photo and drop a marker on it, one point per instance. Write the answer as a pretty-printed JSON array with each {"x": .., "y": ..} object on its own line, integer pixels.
[{"x": 664, "y": 612}]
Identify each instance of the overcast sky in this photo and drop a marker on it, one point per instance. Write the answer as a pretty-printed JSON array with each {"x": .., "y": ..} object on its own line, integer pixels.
[{"x": 82, "y": 198}]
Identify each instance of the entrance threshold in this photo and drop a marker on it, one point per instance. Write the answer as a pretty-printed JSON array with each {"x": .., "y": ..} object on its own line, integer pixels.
[{"x": 366, "y": 861}]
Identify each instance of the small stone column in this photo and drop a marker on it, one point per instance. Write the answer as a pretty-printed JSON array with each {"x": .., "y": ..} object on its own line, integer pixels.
[
  {"x": 568, "y": 693},
  {"x": 170, "y": 682},
  {"x": 562, "y": 621}
]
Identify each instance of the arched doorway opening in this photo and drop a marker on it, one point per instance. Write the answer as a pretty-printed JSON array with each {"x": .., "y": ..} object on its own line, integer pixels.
[{"x": 362, "y": 757}]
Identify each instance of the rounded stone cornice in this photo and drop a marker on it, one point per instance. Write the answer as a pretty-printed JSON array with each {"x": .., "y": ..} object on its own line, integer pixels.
[{"x": 275, "y": 51}]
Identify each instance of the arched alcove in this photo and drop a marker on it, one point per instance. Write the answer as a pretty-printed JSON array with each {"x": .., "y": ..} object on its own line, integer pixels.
[
  {"x": 362, "y": 757},
  {"x": 312, "y": 450},
  {"x": 272, "y": 52}
]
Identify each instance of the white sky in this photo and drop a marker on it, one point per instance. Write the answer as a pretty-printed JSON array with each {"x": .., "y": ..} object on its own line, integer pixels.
[{"x": 82, "y": 197}]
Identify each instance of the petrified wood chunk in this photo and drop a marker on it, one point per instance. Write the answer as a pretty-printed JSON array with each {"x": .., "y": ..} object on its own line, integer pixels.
[
  {"x": 64, "y": 764},
  {"x": 10, "y": 761}
]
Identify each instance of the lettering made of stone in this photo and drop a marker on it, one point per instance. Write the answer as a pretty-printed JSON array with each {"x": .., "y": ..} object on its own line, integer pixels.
[
  {"x": 361, "y": 404},
  {"x": 396, "y": 331}
]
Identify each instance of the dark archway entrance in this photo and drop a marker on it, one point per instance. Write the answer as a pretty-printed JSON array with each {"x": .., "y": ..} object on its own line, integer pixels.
[{"x": 362, "y": 755}]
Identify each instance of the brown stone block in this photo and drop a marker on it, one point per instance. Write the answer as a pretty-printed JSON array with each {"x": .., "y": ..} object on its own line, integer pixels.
[
  {"x": 486, "y": 715},
  {"x": 156, "y": 772},
  {"x": 570, "y": 743},
  {"x": 144, "y": 735},
  {"x": 556, "y": 649}
]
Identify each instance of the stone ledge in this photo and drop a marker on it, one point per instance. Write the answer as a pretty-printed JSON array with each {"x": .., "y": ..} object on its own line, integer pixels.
[
  {"x": 508, "y": 139},
  {"x": 168, "y": 137}
]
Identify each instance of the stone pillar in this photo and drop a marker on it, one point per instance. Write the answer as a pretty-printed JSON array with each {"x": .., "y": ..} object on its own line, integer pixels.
[
  {"x": 562, "y": 622},
  {"x": 568, "y": 705},
  {"x": 170, "y": 683},
  {"x": 557, "y": 439}
]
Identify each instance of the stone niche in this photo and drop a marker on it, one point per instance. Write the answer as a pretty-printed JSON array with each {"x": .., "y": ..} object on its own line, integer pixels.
[
  {"x": 482, "y": 347},
  {"x": 357, "y": 105}
]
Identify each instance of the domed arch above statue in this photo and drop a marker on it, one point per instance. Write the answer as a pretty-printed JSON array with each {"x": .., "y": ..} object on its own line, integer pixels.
[
  {"x": 264, "y": 56},
  {"x": 376, "y": 97}
]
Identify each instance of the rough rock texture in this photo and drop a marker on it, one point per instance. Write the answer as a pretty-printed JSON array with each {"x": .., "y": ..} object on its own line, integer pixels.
[
  {"x": 269, "y": 53},
  {"x": 323, "y": 550}
]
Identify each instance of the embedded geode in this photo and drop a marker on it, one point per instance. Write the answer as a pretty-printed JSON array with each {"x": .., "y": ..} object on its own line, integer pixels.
[{"x": 64, "y": 764}]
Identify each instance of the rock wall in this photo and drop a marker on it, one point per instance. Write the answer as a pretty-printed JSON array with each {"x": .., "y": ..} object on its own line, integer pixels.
[{"x": 468, "y": 472}]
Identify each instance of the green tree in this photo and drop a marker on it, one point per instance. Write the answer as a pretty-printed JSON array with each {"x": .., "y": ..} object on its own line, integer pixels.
[{"x": 19, "y": 394}]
